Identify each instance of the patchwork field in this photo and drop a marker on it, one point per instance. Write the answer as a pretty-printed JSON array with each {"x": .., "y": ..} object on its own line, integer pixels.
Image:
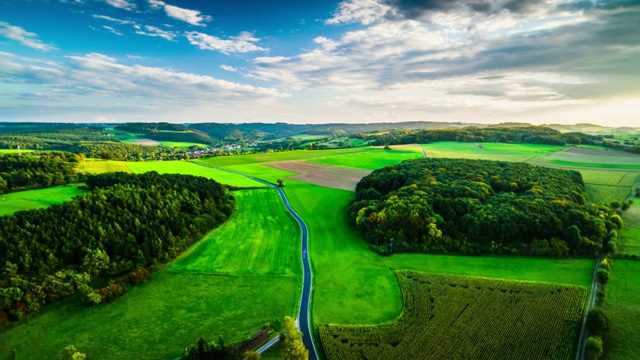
[
  {"x": 191, "y": 298},
  {"x": 324, "y": 175},
  {"x": 489, "y": 151},
  {"x": 622, "y": 304},
  {"x": 591, "y": 158},
  {"x": 277, "y": 156},
  {"x": 37, "y": 199},
  {"x": 372, "y": 159},
  {"x": 451, "y": 317},
  {"x": 189, "y": 168}
]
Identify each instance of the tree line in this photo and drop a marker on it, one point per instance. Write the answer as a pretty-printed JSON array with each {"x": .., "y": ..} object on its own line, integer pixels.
[
  {"x": 37, "y": 171},
  {"x": 125, "y": 223},
  {"x": 479, "y": 207}
]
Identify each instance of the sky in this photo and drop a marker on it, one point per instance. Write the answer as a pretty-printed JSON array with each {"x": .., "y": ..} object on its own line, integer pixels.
[{"x": 321, "y": 61}]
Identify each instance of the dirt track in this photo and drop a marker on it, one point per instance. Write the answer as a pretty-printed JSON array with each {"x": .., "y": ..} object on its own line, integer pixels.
[{"x": 337, "y": 177}]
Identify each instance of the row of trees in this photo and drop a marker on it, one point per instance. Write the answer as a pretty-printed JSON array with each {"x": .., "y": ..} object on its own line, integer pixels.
[
  {"x": 36, "y": 171},
  {"x": 126, "y": 222},
  {"x": 475, "y": 206},
  {"x": 522, "y": 134}
]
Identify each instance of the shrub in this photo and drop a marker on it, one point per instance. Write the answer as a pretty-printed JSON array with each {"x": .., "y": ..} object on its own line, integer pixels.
[
  {"x": 594, "y": 349},
  {"x": 598, "y": 322},
  {"x": 603, "y": 275}
]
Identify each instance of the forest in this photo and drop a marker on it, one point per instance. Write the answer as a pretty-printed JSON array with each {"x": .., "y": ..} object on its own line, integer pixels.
[
  {"x": 125, "y": 225},
  {"x": 36, "y": 171},
  {"x": 479, "y": 207}
]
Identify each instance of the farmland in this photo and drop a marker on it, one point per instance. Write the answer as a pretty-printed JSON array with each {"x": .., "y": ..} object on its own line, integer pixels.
[
  {"x": 621, "y": 302},
  {"x": 229, "y": 303},
  {"x": 93, "y": 166},
  {"x": 186, "y": 168},
  {"x": 459, "y": 318},
  {"x": 629, "y": 237},
  {"x": 182, "y": 145},
  {"x": 489, "y": 151},
  {"x": 37, "y": 199}
]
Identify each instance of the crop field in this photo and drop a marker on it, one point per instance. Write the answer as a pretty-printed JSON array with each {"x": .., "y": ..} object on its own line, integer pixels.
[
  {"x": 467, "y": 318},
  {"x": 37, "y": 199},
  {"x": 592, "y": 158},
  {"x": 373, "y": 159},
  {"x": 272, "y": 248},
  {"x": 93, "y": 166},
  {"x": 324, "y": 175},
  {"x": 188, "y": 168},
  {"x": 277, "y": 156},
  {"x": 366, "y": 291},
  {"x": 605, "y": 186},
  {"x": 629, "y": 236},
  {"x": 182, "y": 145},
  {"x": 489, "y": 151},
  {"x": 192, "y": 297},
  {"x": 621, "y": 302},
  {"x": 14, "y": 151}
]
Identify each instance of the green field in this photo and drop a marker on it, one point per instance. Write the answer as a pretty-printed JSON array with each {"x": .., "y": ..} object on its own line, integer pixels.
[
  {"x": 189, "y": 168},
  {"x": 182, "y": 145},
  {"x": 14, "y": 151},
  {"x": 191, "y": 298},
  {"x": 629, "y": 236},
  {"x": 489, "y": 151},
  {"x": 372, "y": 159},
  {"x": 592, "y": 158},
  {"x": 353, "y": 285},
  {"x": 453, "y": 317},
  {"x": 277, "y": 156},
  {"x": 95, "y": 166},
  {"x": 37, "y": 199},
  {"x": 272, "y": 248},
  {"x": 621, "y": 302}
]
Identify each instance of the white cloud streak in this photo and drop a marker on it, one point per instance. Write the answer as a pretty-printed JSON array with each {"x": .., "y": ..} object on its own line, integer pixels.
[
  {"x": 155, "y": 32},
  {"x": 193, "y": 17},
  {"x": 242, "y": 43},
  {"x": 121, "y": 4},
  {"x": 24, "y": 37},
  {"x": 358, "y": 11}
]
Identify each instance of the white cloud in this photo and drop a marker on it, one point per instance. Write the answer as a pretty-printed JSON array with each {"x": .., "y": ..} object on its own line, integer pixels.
[
  {"x": 192, "y": 17},
  {"x": 118, "y": 21},
  {"x": 26, "y": 38},
  {"x": 121, "y": 4},
  {"x": 228, "y": 68},
  {"x": 112, "y": 30},
  {"x": 155, "y": 32},
  {"x": 242, "y": 43},
  {"x": 360, "y": 11}
]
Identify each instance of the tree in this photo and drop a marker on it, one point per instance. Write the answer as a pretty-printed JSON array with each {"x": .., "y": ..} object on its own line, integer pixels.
[
  {"x": 71, "y": 353},
  {"x": 594, "y": 349},
  {"x": 251, "y": 355},
  {"x": 281, "y": 183},
  {"x": 598, "y": 322},
  {"x": 293, "y": 344}
]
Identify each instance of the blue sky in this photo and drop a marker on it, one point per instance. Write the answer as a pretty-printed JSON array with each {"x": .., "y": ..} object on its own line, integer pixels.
[{"x": 487, "y": 61}]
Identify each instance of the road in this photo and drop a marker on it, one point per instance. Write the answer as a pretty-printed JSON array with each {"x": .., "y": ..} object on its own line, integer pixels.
[
  {"x": 592, "y": 301},
  {"x": 304, "y": 312}
]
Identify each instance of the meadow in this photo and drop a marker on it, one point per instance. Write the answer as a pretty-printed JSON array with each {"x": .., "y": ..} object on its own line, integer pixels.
[
  {"x": 14, "y": 151},
  {"x": 489, "y": 151},
  {"x": 629, "y": 236},
  {"x": 277, "y": 156},
  {"x": 200, "y": 294},
  {"x": 621, "y": 302},
  {"x": 375, "y": 158},
  {"x": 189, "y": 168},
  {"x": 182, "y": 145},
  {"x": 37, "y": 199},
  {"x": 592, "y": 158},
  {"x": 94, "y": 166}
]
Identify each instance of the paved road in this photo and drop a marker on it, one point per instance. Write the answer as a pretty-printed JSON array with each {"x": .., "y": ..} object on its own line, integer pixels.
[
  {"x": 592, "y": 301},
  {"x": 303, "y": 319}
]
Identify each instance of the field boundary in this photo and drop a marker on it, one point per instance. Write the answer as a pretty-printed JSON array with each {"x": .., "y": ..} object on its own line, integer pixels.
[{"x": 582, "y": 344}]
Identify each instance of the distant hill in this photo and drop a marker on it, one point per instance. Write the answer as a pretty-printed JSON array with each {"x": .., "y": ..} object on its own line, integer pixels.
[{"x": 595, "y": 129}]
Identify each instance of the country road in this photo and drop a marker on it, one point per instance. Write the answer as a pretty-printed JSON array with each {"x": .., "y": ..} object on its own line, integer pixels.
[
  {"x": 592, "y": 301},
  {"x": 304, "y": 312}
]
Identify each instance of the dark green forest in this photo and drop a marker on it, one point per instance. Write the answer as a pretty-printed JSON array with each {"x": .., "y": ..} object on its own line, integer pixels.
[
  {"x": 37, "y": 171},
  {"x": 124, "y": 224},
  {"x": 479, "y": 207}
]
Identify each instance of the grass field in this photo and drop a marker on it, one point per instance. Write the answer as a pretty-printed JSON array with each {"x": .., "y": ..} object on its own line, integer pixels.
[
  {"x": 373, "y": 159},
  {"x": 94, "y": 166},
  {"x": 182, "y": 145},
  {"x": 271, "y": 248},
  {"x": 37, "y": 199},
  {"x": 489, "y": 151},
  {"x": 621, "y": 302},
  {"x": 629, "y": 236},
  {"x": 353, "y": 285},
  {"x": 277, "y": 156},
  {"x": 592, "y": 158},
  {"x": 14, "y": 151},
  {"x": 196, "y": 296},
  {"x": 453, "y": 317},
  {"x": 189, "y": 168}
]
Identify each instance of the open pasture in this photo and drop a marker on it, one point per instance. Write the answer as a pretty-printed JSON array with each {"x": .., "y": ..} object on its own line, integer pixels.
[
  {"x": 621, "y": 302},
  {"x": 451, "y": 317},
  {"x": 324, "y": 175},
  {"x": 488, "y": 151},
  {"x": 37, "y": 199},
  {"x": 276, "y": 156},
  {"x": 239, "y": 277},
  {"x": 182, "y": 145},
  {"x": 188, "y": 168},
  {"x": 260, "y": 238},
  {"x": 353, "y": 285},
  {"x": 95, "y": 166},
  {"x": 373, "y": 158}
]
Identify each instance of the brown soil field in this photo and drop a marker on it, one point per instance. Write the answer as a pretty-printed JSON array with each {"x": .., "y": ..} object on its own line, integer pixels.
[{"x": 324, "y": 175}]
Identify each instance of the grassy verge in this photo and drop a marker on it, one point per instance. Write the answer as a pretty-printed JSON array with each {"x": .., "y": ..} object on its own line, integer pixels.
[
  {"x": 37, "y": 199},
  {"x": 621, "y": 302}
]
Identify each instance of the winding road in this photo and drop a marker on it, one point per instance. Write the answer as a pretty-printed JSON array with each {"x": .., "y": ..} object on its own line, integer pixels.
[{"x": 304, "y": 312}]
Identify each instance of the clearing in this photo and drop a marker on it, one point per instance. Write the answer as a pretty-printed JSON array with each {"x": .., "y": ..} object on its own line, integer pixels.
[{"x": 37, "y": 199}]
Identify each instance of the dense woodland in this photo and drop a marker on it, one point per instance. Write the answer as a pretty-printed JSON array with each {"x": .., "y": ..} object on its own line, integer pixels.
[
  {"x": 168, "y": 132},
  {"x": 479, "y": 207},
  {"x": 126, "y": 223},
  {"x": 36, "y": 171}
]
